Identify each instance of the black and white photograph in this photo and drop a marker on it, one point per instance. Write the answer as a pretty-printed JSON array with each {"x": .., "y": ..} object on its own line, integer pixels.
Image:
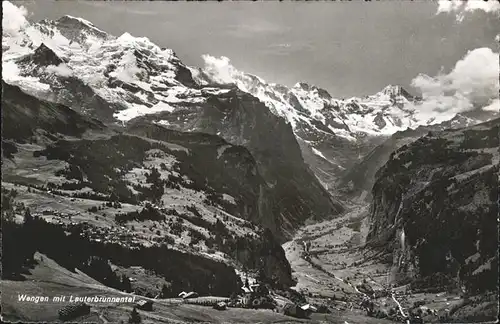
[{"x": 316, "y": 162}]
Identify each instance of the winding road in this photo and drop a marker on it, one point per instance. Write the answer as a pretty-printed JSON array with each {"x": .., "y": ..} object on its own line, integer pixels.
[
  {"x": 400, "y": 308},
  {"x": 304, "y": 242}
]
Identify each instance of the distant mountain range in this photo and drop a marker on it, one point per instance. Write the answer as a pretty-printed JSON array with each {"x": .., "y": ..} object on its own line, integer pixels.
[{"x": 116, "y": 79}]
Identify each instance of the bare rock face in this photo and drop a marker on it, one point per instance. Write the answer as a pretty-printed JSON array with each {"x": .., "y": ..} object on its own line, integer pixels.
[
  {"x": 358, "y": 180},
  {"x": 435, "y": 207},
  {"x": 23, "y": 114},
  {"x": 290, "y": 193},
  {"x": 43, "y": 56}
]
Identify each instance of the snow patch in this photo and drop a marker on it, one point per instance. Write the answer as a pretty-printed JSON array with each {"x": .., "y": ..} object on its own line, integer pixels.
[
  {"x": 13, "y": 18},
  {"x": 318, "y": 153},
  {"x": 135, "y": 110},
  {"x": 61, "y": 70}
]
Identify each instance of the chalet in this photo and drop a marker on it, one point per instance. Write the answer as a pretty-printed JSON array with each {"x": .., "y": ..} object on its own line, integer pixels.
[
  {"x": 443, "y": 314},
  {"x": 259, "y": 289},
  {"x": 220, "y": 306},
  {"x": 251, "y": 288},
  {"x": 307, "y": 309},
  {"x": 146, "y": 305},
  {"x": 246, "y": 300},
  {"x": 191, "y": 294},
  {"x": 291, "y": 309}
]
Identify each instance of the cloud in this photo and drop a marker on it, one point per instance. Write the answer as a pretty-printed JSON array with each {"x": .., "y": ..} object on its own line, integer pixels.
[
  {"x": 13, "y": 18},
  {"x": 461, "y": 7},
  {"x": 220, "y": 69},
  {"x": 494, "y": 106},
  {"x": 473, "y": 83},
  {"x": 61, "y": 70}
]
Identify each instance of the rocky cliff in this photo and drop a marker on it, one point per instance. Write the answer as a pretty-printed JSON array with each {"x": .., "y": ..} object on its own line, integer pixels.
[
  {"x": 357, "y": 181},
  {"x": 435, "y": 207},
  {"x": 290, "y": 193}
]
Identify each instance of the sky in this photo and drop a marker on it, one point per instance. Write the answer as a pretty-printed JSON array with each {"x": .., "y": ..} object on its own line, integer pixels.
[{"x": 348, "y": 48}]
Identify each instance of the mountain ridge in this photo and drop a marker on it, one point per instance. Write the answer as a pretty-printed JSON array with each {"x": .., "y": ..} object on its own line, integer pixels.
[
  {"x": 145, "y": 173},
  {"x": 433, "y": 211},
  {"x": 120, "y": 79}
]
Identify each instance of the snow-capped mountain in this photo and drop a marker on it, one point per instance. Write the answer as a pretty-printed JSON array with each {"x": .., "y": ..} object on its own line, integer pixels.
[
  {"x": 435, "y": 206},
  {"x": 130, "y": 75},
  {"x": 139, "y": 77},
  {"x": 72, "y": 62},
  {"x": 119, "y": 79},
  {"x": 309, "y": 108},
  {"x": 335, "y": 133}
]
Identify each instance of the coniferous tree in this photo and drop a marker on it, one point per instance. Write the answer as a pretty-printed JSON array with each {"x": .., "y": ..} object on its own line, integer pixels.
[
  {"x": 134, "y": 318},
  {"x": 261, "y": 276},
  {"x": 27, "y": 216},
  {"x": 126, "y": 284},
  {"x": 165, "y": 291}
]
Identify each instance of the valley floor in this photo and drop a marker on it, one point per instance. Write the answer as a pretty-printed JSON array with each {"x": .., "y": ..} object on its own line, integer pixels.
[{"x": 331, "y": 266}]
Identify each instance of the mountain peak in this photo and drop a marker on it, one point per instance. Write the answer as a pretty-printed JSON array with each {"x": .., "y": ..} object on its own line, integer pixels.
[
  {"x": 307, "y": 87},
  {"x": 392, "y": 89},
  {"x": 396, "y": 91},
  {"x": 45, "y": 56},
  {"x": 77, "y": 23},
  {"x": 77, "y": 20},
  {"x": 73, "y": 28},
  {"x": 302, "y": 85}
]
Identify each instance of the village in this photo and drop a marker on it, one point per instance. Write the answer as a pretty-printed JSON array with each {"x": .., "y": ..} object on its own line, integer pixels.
[
  {"x": 351, "y": 293},
  {"x": 253, "y": 296}
]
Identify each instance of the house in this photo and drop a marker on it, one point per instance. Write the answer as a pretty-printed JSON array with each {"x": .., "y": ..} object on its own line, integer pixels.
[
  {"x": 308, "y": 309},
  {"x": 250, "y": 288},
  {"x": 443, "y": 314},
  {"x": 191, "y": 294},
  {"x": 291, "y": 309},
  {"x": 261, "y": 290},
  {"x": 220, "y": 306},
  {"x": 246, "y": 300},
  {"x": 416, "y": 319},
  {"x": 145, "y": 305}
]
